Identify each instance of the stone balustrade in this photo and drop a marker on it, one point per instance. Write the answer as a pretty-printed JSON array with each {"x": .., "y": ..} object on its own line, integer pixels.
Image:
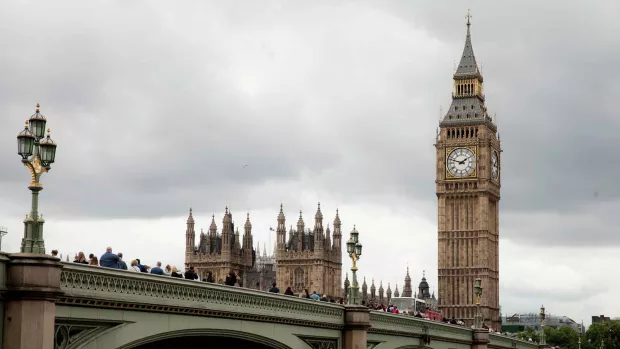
[
  {"x": 410, "y": 326},
  {"x": 40, "y": 282},
  {"x": 111, "y": 288}
]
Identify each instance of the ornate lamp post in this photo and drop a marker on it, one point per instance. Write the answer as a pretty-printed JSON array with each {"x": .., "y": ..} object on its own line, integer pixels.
[
  {"x": 542, "y": 326},
  {"x": 354, "y": 248},
  {"x": 37, "y": 154},
  {"x": 3, "y": 232},
  {"x": 478, "y": 293}
]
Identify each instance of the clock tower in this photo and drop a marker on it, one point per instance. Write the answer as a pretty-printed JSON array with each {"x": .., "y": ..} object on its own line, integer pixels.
[{"x": 468, "y": 193}]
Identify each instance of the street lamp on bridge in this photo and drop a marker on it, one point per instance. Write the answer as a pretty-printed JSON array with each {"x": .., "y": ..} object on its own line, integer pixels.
[
  {"x": 37, "y": 154},
  {"x": 354, "y": 248},
  {"x": 478, "y": 293},
  {"x": 3, "y": 232},
  {"x": 542, "y": 326}
]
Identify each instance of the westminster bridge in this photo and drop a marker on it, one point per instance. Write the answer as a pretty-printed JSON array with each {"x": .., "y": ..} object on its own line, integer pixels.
[{"x": 48, "y": 304}]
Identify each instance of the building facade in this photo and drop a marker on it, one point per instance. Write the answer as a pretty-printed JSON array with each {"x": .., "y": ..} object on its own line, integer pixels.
[
  {"x": 219, "y": 252},
  {"x": 309, "y": 258},
  {"x": 468, "y": 192}
]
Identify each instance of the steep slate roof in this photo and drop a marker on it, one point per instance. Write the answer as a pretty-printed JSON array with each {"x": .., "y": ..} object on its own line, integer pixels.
[{"x": 467, "y": 65}]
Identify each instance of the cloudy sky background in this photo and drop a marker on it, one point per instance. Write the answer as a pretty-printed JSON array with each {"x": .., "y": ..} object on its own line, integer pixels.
[{"x": 156, "y": 108}]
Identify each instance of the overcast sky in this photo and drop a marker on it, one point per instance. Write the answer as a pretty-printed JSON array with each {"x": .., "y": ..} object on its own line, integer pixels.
[{"x": 157, "y": 108}]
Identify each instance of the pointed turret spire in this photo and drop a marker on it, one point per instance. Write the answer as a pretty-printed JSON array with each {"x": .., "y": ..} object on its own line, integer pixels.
[
  {"x": 318, "y": 229},
  {"x": 281, "y": 231},
  {"x": 467, "y": 96},
  {"x": 248, "y": 224},
  {"x": 213, "y": 226},
  {"x": 467, "y": 65},
  {"x": 407, "y": 289},
  {"x": 396, "y": 293},
  {"x": 365, "y": 291},
  {"x": 300, "y": 233},
  {"x": 190, "y": 235},
  {"x": 190, "y": 218},
  {"x": 373, "y": 290}
]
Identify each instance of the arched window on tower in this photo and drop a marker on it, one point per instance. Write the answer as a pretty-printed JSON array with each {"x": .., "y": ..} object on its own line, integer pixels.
[{"x": 298, "y": 283}]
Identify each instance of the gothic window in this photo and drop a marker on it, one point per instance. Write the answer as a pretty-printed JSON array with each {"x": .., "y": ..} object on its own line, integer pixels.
[{"x": 298, "y": 284}]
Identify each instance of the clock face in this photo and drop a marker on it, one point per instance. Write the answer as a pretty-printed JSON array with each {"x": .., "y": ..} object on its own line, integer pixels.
[
  {"x": 494, "y": 166},
  {"x": 461, "y": 162}
]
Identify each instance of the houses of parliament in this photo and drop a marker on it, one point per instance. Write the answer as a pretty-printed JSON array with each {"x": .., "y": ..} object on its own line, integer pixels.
[
  {"x": 468, "y": 154},
  {"x": 310, "y": 258}
]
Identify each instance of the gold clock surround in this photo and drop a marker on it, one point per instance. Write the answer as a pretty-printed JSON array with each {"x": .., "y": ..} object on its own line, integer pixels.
[{"x": 449, "y": 176}]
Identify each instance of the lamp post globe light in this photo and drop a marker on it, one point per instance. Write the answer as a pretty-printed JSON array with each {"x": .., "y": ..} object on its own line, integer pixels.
[
  {"x": 354, "y": 248},
  {"x": 478, "y": 293},
  {"x": 37, "y": 154},
  {"x": 542, "y": 326}
]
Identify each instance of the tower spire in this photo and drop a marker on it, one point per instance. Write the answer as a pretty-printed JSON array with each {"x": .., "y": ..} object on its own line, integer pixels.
[
  {"x": 468, "y": 101},
  {"x": 467, "y": 65}
]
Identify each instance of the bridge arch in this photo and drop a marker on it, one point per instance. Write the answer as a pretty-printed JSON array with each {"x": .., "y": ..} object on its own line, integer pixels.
[{"x": 260, "y": 341}]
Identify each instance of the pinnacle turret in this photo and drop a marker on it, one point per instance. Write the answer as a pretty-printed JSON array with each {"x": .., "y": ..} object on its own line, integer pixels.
[
  {"x": 213, "y": 226},
  {"x": 373, "y": 290},
  {"x": 248, "y": 224},
  {"x": 407, "y": 288},
  {"x": 190, "y": 218}
]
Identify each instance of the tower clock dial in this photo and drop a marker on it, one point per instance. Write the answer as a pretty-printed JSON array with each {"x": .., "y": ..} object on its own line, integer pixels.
[
  {"x": 494, "y": 166},
  {"x": 461, "y": 162}
]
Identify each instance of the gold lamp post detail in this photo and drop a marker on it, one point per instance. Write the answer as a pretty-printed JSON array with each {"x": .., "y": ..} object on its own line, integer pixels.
[
  {"x": 354, "y": 248},
  {"x": 38, "y": 153},
  {"x": 542, "y": 326},
  {"x": 478, "y": 293}
]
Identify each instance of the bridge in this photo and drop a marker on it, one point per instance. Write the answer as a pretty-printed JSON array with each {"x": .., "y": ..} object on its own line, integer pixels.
[{"x": 46, "y": 303}]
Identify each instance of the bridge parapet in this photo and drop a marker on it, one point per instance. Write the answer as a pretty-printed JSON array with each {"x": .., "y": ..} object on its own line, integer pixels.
[
  {"x": 409, "y": 326},
  {"x": 85, "y": 285},
  {"x": 497, "y": 341}
]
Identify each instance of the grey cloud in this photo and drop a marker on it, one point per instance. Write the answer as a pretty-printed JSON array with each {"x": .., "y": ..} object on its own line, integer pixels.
[{"x": 164, "y": 107}]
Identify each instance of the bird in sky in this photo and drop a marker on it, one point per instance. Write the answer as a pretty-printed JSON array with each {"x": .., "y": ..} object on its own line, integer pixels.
[{"x": 244, "y": 166}]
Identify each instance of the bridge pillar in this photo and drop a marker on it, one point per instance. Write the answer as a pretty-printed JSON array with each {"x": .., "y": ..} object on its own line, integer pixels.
[
  {"x": 33, "y": 286},
  {"x": 356, "y": 323},
  {"x": 480, "y": 338}
]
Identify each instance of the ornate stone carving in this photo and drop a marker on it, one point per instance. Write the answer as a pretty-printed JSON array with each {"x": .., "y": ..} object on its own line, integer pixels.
[
  {"x": 72, "y": 333},
  {"x": 320, "y": 342},
  {"x": 100, "y": 287}
]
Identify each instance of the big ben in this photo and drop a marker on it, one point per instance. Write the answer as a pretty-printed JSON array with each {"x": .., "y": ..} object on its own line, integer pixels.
[{"x": 468, "y": 193}]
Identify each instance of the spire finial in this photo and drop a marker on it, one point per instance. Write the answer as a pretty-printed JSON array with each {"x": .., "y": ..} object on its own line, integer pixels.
[
  {"x": 26, "y": 124},
  {"x": 38, "y": 107},
  {"x": 49, "y": 132},
  {"x": 468, "y": 16}
]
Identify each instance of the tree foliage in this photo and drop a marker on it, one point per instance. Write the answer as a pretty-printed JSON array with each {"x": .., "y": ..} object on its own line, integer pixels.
[{"x": 607, "y": 333}]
